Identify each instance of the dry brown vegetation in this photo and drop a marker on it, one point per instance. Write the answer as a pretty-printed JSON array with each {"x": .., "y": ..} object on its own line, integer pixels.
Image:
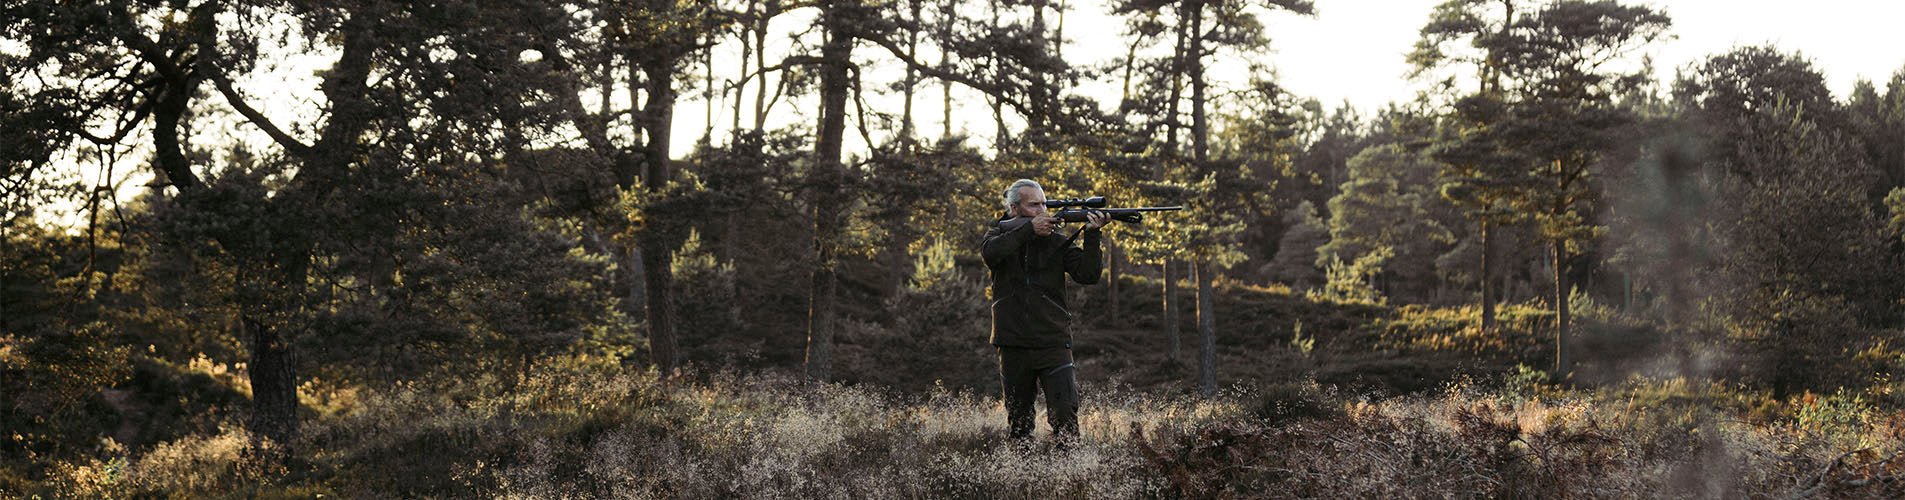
[{"x": 586, "y": 429}]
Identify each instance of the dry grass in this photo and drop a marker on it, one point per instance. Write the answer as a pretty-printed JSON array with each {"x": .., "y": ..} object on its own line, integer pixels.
[{"x": 593, "y": 431}]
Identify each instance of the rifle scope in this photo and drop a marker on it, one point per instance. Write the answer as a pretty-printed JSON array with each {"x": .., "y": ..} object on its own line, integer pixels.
[{"x": 1092, "y": 202}]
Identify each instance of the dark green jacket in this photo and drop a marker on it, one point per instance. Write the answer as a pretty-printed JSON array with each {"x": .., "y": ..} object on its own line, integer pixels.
[{"x": 1028, "y": 282}]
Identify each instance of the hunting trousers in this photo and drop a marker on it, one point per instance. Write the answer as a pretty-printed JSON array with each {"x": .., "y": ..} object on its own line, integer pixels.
[{"x": 1025, "y": 371}]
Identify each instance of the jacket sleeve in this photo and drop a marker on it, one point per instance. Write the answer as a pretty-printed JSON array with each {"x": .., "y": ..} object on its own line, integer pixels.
[
  {"x": 1085, "y": 264},
  {"x": 1004, "y": 239}
]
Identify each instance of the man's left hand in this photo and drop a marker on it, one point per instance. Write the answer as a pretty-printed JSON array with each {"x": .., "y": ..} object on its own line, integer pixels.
[{"x": 1096, "y": 219}]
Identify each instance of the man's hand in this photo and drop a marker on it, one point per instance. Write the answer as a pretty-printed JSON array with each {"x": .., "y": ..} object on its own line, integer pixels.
[
  {"x": 1097, "y": 219},
  {"x": 1045, "y": 225}
]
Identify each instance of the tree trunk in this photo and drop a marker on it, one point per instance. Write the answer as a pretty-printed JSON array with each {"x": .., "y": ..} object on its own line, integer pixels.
[
  {"x": 914, "y": 7},
  {"x": 1561, "y": 289},
  {"x": 1200, "y": 126},
  {"x": 1113, "y": 289},
  {"x": 1058, "y": 35},
  {"x": 1200, "y": 154},
  {"x": 274, "y": 385},
  {"x": 1130, "y": 65},
  {"x": 1170, "y": 309},
  {"x": 820, "y": 326},
  {"x": 1041, "y": 87},
  {"x": 273, "y": 364},
  {"x": 1561, "y": 366},
  {"x": 1177, "y": 89},
  {"x": 656, "y": 261},
  {"x": 827, "y": 195},
  {"x": 1206, "y": 332},
  {"x": 999, "y": 137},
  {"x": 168, "y": 113},
  {"x": 656, "y": 254},
  {"x": 707, "y": 94},
  {"x": 1488, "y": 294},
  {"x": 946, "y": 14},
  {"x": 637, "y": 279},
  {"x": 747, "y": 54},
  {"x": 760, "y": 71}
]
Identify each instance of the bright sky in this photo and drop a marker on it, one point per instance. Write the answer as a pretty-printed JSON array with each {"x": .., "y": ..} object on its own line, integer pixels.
[{"x": 1352, "y": 50}]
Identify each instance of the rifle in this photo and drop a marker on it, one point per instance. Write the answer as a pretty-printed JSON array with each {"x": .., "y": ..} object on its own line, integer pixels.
[{"x": 1074, "y": 213}]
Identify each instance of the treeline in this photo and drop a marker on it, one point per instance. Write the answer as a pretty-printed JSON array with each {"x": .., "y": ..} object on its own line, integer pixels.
[{"x": 480, "y": 188}]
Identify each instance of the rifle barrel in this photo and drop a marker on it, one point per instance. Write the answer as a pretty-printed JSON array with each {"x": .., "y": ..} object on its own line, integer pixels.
[{"x": 1122, "y": 214}]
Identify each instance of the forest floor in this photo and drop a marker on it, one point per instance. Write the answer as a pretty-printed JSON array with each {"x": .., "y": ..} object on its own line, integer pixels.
[{"x": 1358, "y": 401}]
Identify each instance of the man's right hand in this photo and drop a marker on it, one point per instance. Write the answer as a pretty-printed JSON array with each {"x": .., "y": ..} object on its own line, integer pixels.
[{"x": 1045, "y": 226}]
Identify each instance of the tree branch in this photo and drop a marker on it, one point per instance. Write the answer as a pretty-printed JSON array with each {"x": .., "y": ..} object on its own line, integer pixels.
[
  {"x": 224, "y": 84},
  {"x": 594, "y": 127},
  {"x": 124, "y": 127},
  {"x": 1818, "y": 481},
  {"x": 859, "y": 106},
  {"x": 935, "y": 72}
]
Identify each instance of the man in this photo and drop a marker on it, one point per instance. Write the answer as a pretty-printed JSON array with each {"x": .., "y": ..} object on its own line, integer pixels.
[{"x": 1029, "y": 258}]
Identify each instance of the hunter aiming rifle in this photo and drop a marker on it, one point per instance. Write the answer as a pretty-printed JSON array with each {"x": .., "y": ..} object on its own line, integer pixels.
[{"x": 1075, "y": 210}]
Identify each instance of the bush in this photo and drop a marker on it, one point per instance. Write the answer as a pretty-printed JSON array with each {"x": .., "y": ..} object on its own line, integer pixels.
[
  {"x": 707, "y": 315},
  {"x": 1283, "y": 403},
  {"x": 935, "y": 333}
]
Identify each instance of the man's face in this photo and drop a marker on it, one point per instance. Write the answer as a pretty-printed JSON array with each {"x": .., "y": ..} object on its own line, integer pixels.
[{"x": 1031, "y": 202}]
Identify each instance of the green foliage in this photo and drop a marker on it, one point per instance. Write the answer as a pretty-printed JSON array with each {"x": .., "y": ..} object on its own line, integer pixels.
[
  {"x": 1416, "y": 348},
  {"x": 1221, "y": 205},
  {"x": 1354, "y": 281},
  {"x": 1295, "y": 261},
  {"x": 1895, "y": 202},
  {"x": 933, "y": 334},
  {"x": 908, "y": 206},
  {"x": 934, "y": 268},
  {"x": 1804, "y": 233},
  {"x": 709, "y": 317},
  {"x": 1298, "y": 342},
  {"x": 1876, "y": 119},
  {"x": 1387, "y": 203},
  {"x": 1842, "y": 411},
  {"x": 1801, "y": 341},
  {"x": 1662, "y": 243},
  {"x": 748, "y": 218},
  {"x": 1563, "y": 75},
  {"x": 55, "y": 355},
  {"x": 31, "y": 132},
  {"x": 1527, "y": 383}
]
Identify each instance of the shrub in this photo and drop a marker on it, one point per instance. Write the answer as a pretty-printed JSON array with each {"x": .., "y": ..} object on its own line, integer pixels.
[
  {"x": 707, "y": 314},
  {"x": 1282, "y": 403},
  {"x": 934, "y": 333}
]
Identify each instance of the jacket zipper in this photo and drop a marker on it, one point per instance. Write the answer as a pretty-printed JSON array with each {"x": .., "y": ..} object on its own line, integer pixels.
[{"x": 1061, "y": 307}]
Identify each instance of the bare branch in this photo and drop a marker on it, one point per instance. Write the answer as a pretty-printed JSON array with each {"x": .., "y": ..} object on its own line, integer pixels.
[
  {"x": 1818, "y": 481},
  {"x": 935, "y": 72}
]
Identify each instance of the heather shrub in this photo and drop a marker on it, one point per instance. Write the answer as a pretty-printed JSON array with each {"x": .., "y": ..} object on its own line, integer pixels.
[
  {"x": 1292, "y": 401},
  {"x": 587, "y": 428},
  {"x": 1642, "y": 439}
]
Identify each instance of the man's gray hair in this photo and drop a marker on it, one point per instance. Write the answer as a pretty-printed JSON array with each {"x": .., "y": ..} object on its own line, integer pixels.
[{"x": 1012, "y": 193}]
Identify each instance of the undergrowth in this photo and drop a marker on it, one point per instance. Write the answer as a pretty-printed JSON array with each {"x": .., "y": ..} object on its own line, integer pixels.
[{"x": 584, "y": 429}]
